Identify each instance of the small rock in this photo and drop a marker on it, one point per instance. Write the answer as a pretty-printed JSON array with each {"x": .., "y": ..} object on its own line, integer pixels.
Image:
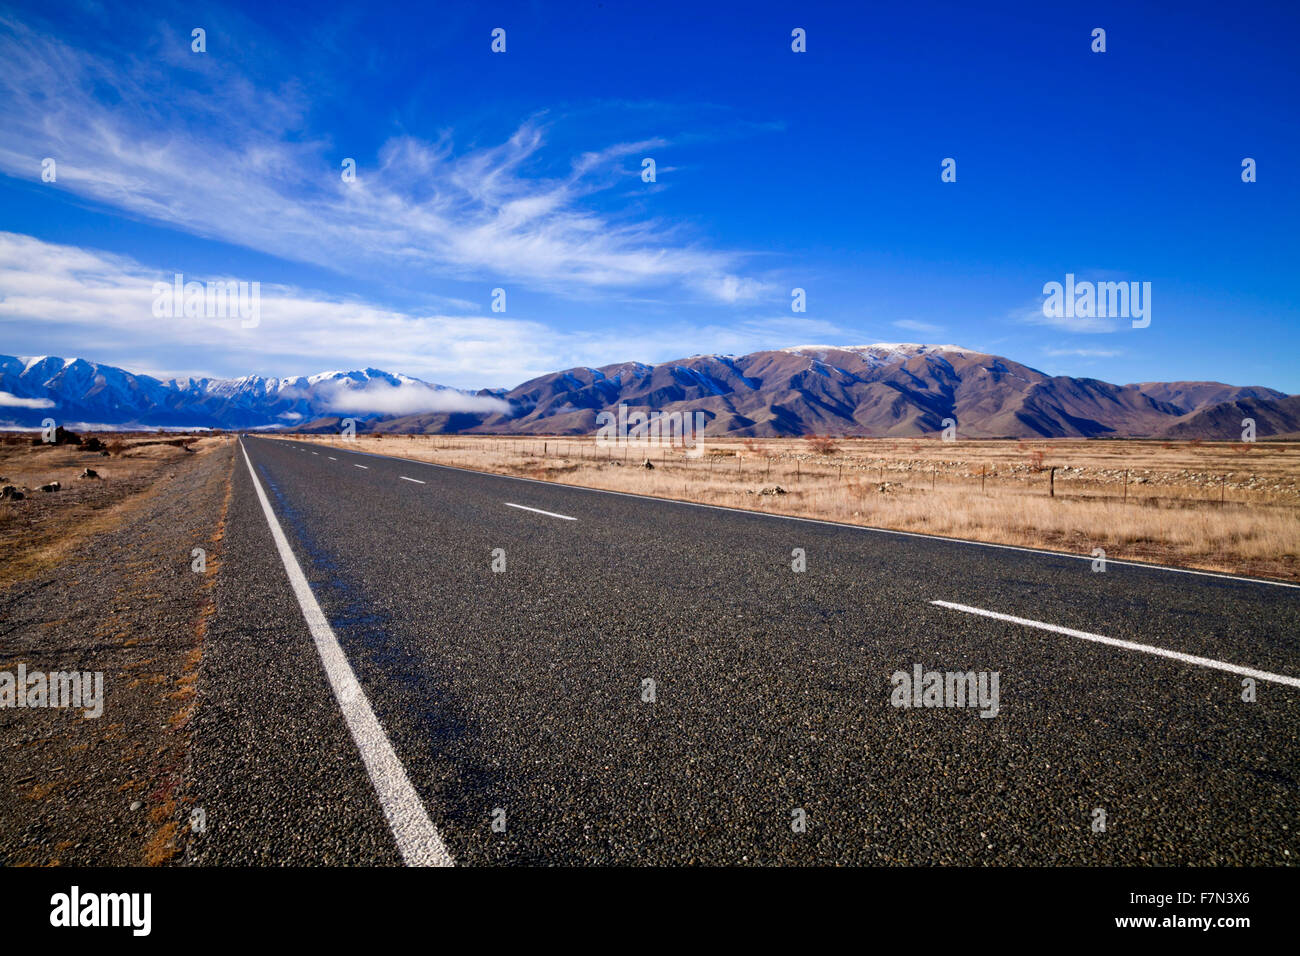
[
  {"x": 89, "y": 473},
  {"x": 52, "y": 486},
  {"x": 10, "y": 493},
  {"x": 648, "y": 464},
  {"x": 136, "y": 804},
  {"x": 774, "y": 490}
]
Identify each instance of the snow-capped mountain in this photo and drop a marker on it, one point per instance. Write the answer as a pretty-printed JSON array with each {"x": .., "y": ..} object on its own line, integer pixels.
[
  {"x": 78, "y": 392},
  {"x": 893, "y": 389},
  {"x": 885, "y": 389}
]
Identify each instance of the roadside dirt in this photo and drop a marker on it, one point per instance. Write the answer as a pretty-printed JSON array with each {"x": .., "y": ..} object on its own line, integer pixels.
[{"x": 97, "y": 577}]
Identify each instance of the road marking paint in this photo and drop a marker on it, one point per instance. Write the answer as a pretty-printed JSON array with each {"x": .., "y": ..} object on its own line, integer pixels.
[
  {"x": 539, "y": 511},
  {"x": 315, "y": 453},
  {"x": 416, "y": 480},
  {"x": 355, "y": 465},
  {"x": 1128, "y": 645},
  {"x": 417, "y": 837},
  {"x": 331, "y": 458},
  {"x": 1110, "y": 562}
]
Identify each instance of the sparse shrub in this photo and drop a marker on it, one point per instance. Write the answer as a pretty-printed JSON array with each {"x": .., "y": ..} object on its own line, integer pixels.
[{"x": 822, "y": 444}]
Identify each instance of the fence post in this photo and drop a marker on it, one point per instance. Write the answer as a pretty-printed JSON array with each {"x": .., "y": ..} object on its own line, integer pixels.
[{"x": 1051, "y": 483}]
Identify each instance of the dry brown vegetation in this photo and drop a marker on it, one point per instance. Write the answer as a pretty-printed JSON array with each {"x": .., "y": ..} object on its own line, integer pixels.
[
  {"x": 42, "y": 529},
  {"x": 1215, "y": 506}
]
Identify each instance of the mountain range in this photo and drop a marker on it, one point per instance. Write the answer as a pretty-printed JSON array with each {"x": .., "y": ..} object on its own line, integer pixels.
[{"x": 881, "y": 390}]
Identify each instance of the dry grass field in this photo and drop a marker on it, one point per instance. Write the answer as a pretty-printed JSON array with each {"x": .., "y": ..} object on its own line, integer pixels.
[
  {"x": 1214, "y": 506},
  {"x": 43, "y": 528}
]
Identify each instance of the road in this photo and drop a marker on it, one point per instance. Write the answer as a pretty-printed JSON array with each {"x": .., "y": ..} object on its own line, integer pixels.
[{"x": 511, "y": 720}]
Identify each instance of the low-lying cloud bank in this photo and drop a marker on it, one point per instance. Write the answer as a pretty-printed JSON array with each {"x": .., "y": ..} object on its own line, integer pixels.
[
  {"x": 13, "y": 401},
  {"x": 409, "y": 398}
]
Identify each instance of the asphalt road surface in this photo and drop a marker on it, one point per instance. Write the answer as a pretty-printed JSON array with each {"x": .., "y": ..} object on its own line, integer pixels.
[{"x": 407, "y": 703}]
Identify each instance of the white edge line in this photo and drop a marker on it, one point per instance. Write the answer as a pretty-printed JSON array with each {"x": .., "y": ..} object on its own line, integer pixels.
[
  {"x": 838, "y": 524},
  {"x": 416, "y": 480},
  {"x": 549, "y": 514},
  {"x": 1128, "y": 645},
  {"x": 417, "y": 837}
]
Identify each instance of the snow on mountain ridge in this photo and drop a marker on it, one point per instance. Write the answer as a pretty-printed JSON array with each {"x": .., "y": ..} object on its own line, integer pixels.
[{"x": 90, "y": 392}]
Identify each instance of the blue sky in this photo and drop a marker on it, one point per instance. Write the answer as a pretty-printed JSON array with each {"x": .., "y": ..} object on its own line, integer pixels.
[{"x": 775, "y": 170}]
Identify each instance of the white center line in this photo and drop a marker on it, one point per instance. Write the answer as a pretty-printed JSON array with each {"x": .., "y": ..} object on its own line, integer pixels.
[
  {"x": 417, "y": 837},
  {"x": 331, "y": 458},
  {"x": 1129, "y": 645},
  {"x": 355, "y": 465},
  {"x": 549, "y": 514},
  {"x": 315, "y": 453},
  {"x": 416, "y": 480}
]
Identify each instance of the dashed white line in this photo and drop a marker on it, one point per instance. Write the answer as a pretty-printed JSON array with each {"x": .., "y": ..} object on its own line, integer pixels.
[
  {"x": 315, "y": 453},
  {"x": 355, "y": 465},
  {"x": 331, "y": 458},
  {"x": 416, "y": 480},
  {"x": 1128, "y": 645},
  {"x": 549, "y": 514},
  {"x": 417, "y": 837},
  {"x": 840, "y": 524}
]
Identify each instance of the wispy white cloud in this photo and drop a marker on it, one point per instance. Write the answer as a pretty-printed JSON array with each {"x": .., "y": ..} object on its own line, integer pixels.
[
  {"x": 64, "y": 300},
  {"x": 220, "y": 157},
  {"x": 912, "y": 325},
  {"x": 1083, "y": 353},
  {"x": 1093, "y": 325}
]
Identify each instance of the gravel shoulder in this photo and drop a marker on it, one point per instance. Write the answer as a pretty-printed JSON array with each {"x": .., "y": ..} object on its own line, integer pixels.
[{"x": 114, "y": 593}]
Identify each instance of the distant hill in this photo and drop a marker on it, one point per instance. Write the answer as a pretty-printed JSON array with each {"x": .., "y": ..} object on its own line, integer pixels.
[
  {"x": 898, "y": 390},
  {"x": 1191, "y": 396},
  {"x": 1274, "y": 418}
]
